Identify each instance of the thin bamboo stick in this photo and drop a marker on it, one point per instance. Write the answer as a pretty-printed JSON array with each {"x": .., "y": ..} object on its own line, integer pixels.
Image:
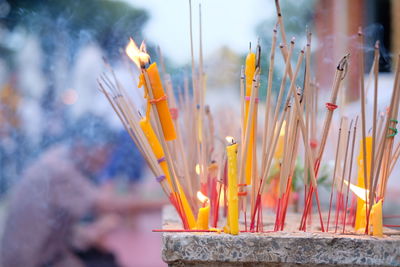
[
  {"x": 350, "y": 172},
  {"x": 283, "y": 35},
  {"x": 337, "y": 162},
  {"x": 267, "y": 126},
  {"x": 363, "y": 126}
]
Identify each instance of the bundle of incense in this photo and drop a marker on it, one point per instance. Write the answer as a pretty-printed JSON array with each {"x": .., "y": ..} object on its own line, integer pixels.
[
  {"x": 344, "y": 158},
  {"x": 376, "y": 161},
  {"x": 151, "y": 141},
  {"x": 382, "y": 158},
  {"x": 272, "y": 143},
  {"x": 203, "y": 175},
  {"x": 340, "y": 74}
]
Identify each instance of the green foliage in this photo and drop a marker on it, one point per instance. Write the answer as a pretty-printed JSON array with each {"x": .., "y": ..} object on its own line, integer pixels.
[
  {"x": 109, "y": 23},
  {"x": 298, "y": 176}
]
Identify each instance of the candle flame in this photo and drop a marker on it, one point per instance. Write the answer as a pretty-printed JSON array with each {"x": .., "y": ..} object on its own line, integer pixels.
[
  {"x": 203, "y": 199},
  {"x": 229, "y": 139},
  {"x": 198, "y": 169},
  {"x": 138, "y": 55},
  {"x": 358, "y": 191}
]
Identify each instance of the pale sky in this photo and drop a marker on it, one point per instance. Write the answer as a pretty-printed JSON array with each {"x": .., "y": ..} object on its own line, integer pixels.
[{"x": 225, "y": 22}]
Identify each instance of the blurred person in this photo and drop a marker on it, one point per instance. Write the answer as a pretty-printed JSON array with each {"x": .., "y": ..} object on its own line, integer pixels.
[
  {"x": 47, "y": 207},
  {"x": 125, "y": 165}
]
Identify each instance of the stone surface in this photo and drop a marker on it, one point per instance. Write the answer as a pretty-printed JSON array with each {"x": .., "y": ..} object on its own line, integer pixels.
[{"x": 288, "y": 248}]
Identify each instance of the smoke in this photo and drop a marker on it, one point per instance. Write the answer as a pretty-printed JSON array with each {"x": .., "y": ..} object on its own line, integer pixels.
[{"x": 376, "y": 32}]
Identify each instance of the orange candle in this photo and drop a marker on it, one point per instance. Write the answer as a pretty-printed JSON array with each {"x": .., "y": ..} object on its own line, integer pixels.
[
  {"x": 155, "y": 146},
  {"x": 160, "y": 100},
  {"x": 140, "y": 57},
  {"x": 159, "y": 153}
]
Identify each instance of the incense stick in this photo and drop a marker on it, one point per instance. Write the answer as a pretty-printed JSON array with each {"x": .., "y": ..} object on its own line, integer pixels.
[
  {"x": 363, "y": 130},
  {"x": 340, "y": 74},
  {"x": 334, "y": 172},
  {"x": 267, "y": 127},
  {"x": 283, "y": 34},
  {"x": 349, "y": 176}
]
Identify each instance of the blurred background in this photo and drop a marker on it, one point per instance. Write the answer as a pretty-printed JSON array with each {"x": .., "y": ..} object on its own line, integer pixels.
[{"x": 51, "y": 55}]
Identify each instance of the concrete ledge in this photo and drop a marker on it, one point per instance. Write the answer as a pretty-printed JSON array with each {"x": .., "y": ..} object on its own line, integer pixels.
[{"x": 277, "y": 249}]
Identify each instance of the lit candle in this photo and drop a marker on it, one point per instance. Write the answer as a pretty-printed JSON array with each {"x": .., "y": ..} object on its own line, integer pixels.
[
  {"x": 360, "y": 214},
  {"x": 249, "y": 71},
  {"x": 159, "y": 153},
  {"x": 233, "y": 200},
  {"x": 204, "y": 212},
  {"x": 375, "y": 217},
  {"x": 141, "y": 58}
]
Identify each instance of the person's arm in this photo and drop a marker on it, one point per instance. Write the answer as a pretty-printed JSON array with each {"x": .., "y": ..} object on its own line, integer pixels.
[
  {"x": 108, "y": 201},
  {"x": 93, "y": 234}
]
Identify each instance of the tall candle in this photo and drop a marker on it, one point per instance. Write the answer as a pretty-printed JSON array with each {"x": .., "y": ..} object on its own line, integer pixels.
[
  {"x": 360, "y": 217},
  {"x": 159, "y": 153},
  {"x": 160, "y": 101},
  {"x": 233, "y": 200},
  {"x": 249, "y": 71},
  {"x": 204, "y": 212}
]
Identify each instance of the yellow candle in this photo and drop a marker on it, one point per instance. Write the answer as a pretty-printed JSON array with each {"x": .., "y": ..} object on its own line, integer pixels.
[
  {"x": 249, "y": 71},
  {"x": 160, "y": 101},
  {"x": 377, "y": 219},
  {"x": 204, "y": 212},
  {"x": 159, "y": 153},
  {"x": 233, "y": 200},
  {"x": 360, "y": 214}
]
